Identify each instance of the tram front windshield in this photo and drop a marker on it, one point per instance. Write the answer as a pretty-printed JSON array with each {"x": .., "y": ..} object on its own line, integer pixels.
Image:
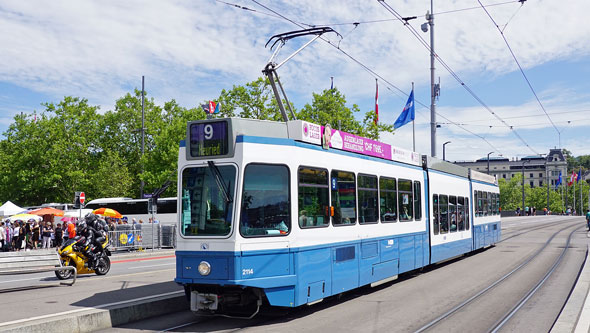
[{"x": 207, "y": 200}]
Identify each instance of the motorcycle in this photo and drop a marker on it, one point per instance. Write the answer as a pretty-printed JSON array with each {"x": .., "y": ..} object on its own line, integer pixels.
[{"x": 72, "y": 254}]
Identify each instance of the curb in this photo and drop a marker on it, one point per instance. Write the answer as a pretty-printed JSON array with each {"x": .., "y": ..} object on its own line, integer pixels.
[
  {"x": 93, "y": 319},
  {"x": 575, "y": 316}
]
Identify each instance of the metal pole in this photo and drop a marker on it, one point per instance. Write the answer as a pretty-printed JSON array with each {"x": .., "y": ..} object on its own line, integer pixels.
[
  {"x": 432, "y": 87},
  {"x": 413, "y": 128},
  {"x": 142, "y": 132},
  {"x": 153, "y": 203},
  {"x": 444, "y": 144},
  {"x": 523, "y": 186},
  {"x": 547, "y": 181},
  {"x": 489, "y": 161},
  {"x": 581, "y": 204}
]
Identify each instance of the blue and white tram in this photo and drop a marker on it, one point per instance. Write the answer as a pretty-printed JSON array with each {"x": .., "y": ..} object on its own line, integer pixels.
[{"x": 291, "y": 213}]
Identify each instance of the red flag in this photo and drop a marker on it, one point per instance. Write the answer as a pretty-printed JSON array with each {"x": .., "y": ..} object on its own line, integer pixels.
[
  {"x": 212, "y": 106},
  {"x": 376, "y": 101}
]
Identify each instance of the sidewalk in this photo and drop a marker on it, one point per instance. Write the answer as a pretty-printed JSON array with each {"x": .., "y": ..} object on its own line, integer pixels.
[
  {"x": 575, "y": 316},
  {"x": 94, "y": 302}
]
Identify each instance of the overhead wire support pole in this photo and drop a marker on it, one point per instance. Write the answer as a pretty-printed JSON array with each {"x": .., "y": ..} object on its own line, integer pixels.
[
  {"x": 430, "y": 18},
  {"x": 141, "y": 185}
]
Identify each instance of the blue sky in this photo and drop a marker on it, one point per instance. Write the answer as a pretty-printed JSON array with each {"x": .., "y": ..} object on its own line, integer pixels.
[{"x": 191, "y": 50}]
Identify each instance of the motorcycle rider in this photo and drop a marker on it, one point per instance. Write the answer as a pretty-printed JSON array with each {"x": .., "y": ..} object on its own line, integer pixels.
[{"x": 92, "y": 247}]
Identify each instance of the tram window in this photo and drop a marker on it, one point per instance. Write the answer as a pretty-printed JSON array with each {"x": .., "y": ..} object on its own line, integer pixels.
[
  {"x": 406, "y": 207},
  {"x": 343, "y": 197},
  {"x": 461, "y": 213},
  {"x": 388, "y": 199},
  {"x": 367, "y": 193},
  {"x": 443, "y": 207},
  {"x": 205, "y": 208},
  {"x": 435, "y": 218},
  {"x": 493, "y": 201},
  {"x": 498, "y": 203},
  {"x": 266, "y": 205},
  {"x": 313, "y": 197},
  {"x": 466, "y": 213},
  {"x": 479, "y": 203},
  {"x": 475, "y": 200},
  {"x": 417, "y": 201},
  {"x": 453, "y": 213},
  {"x": 486, "y": 204}
]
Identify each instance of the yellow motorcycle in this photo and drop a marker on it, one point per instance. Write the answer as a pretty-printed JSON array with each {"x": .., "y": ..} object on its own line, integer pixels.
[{"x": 72, "y": 254}]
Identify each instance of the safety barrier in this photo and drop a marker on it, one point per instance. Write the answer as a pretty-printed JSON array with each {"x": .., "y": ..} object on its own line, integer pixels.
[{"x": 145, "y": 236}]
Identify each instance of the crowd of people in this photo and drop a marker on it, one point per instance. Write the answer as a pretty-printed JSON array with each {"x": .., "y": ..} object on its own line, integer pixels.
[{"x": 21, "y": 235}]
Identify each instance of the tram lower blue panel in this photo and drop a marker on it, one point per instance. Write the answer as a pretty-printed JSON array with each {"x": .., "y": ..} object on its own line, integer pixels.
[
  {"x": 449, "y": 250},
  {"x": 295, "y": 276},
  {"x": 486, "y": 234}
]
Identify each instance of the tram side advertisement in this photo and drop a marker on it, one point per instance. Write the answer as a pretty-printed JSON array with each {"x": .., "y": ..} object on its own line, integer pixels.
[{"x": 208, "y": 139}]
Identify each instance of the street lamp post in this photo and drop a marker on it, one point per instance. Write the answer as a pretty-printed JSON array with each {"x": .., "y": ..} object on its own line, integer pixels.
[
  {"x": 489, "y": 161},
  {"x": 527, "y": 161},
  {"x": 444, "y": 144}
]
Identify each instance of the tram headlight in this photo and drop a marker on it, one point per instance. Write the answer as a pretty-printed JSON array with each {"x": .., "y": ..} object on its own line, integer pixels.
[{"x": 204, "y": 268}]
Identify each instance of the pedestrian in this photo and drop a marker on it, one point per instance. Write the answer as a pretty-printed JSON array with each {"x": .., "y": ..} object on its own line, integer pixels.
[
  {"x": 517, "y": 211},
  {"x": 59, "y": 235},
  {"x": 9, "y": 231},
  {"x": 19, "y": 235},
  {"x": 588, "y": 219},
  {"x": 71, "y": 230},
  {"x": 36, "y": 230},
  {"x": 47, "y": 231},
  {"x": 2, "y": 236}
]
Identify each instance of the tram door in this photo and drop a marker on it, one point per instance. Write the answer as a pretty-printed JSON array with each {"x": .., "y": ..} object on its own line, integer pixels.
[{"x": 345, "y": 266}]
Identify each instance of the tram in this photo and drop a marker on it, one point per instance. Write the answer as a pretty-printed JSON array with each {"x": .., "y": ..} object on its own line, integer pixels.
[{"x": 289, "y": 213}]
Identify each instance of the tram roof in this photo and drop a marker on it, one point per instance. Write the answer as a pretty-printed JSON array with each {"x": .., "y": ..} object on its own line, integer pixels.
[{"x": 434, "y": 163}]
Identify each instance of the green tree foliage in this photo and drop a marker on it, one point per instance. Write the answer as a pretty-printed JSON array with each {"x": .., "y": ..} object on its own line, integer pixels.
[
  {"x": 329, "y": 107},
  {"x": 71, "y": 146}
]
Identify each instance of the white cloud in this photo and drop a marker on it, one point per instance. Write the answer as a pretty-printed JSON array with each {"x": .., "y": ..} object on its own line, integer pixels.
[{"x": 191, "y": 50}]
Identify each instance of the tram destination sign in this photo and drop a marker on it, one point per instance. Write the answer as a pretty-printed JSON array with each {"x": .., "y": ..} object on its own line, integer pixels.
[{"x": 208, "y": 139}]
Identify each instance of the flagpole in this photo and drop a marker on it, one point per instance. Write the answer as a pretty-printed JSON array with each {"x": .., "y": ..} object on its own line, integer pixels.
[{"x": 413, "y": 128}]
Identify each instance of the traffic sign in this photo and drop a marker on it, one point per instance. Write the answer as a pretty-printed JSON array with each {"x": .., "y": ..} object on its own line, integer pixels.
[{"x": 82, "y": 197}]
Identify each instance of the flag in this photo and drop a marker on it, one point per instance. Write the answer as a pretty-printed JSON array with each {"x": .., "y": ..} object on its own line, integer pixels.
[
  {"x": 407, "y": 114},
  {"x": 579, "y": 177},
  {"x": 376, "y": 101},
  {"x": 331, "y": 83},
  {"x": 573, "y": 178},
  {"x": 558, "y": 182}
]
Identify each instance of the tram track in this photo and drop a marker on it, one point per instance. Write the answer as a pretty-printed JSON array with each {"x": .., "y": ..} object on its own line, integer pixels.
[
  {"x": 536, "y": 227},
  {"x": 508, "y": 315}
]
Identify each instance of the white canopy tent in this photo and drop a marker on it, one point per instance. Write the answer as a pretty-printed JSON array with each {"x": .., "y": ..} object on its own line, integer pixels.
[{"x": 9, "y": 209}]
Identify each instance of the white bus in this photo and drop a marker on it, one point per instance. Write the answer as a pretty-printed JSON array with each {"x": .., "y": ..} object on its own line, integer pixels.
[{"x": 138, "y": 208}]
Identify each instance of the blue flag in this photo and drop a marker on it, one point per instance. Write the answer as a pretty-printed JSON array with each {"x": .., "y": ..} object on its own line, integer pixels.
[
  {"x": 558, "y": 180},
  {"x": 579, "y": 176},
  {"x": 407, "y": 114}
]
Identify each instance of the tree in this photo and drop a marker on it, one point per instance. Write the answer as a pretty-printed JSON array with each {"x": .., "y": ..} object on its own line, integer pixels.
[{"x": 255, "y": 100}]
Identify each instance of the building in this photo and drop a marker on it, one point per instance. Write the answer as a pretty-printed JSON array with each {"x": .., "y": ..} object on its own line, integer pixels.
[{"x": 538, "y": 170}]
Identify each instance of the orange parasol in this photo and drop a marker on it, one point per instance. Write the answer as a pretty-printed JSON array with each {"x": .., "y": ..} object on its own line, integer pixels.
[
  {"x": 107, "y": 212},
  {"x": 47, "y": 211}
]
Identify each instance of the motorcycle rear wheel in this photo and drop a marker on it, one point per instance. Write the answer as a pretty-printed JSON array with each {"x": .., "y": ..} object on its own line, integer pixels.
[{"x": 103, "y": 266}]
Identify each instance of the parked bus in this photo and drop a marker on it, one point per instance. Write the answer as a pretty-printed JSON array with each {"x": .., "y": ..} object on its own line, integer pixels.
[{"x": 138, "y": 208}]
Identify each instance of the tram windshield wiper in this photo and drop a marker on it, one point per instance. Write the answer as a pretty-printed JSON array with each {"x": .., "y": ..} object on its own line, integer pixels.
[{"x": 219, "y": 181}]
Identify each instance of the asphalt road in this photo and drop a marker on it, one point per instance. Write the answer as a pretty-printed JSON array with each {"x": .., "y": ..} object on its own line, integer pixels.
[{"x": 416, "y": 299}]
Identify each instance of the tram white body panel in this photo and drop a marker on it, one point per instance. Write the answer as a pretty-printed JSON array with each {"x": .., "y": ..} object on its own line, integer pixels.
[
  {"x": 246, "y": 153},
  {"x": 451, "y": 185}
]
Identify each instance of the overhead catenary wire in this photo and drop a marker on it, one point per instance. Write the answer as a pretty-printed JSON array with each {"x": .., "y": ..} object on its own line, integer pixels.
[
  {"x": 375, "y": 74},
  {"x": 453, "y": 74},
  {"x": 519, "y": 66}
]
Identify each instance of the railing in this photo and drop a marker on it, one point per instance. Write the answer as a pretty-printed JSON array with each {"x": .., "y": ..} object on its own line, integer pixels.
[{"x": 145, "y": 236}]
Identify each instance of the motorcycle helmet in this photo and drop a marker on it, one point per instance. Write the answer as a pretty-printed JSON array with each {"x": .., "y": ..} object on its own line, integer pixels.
[{"x": 81, "y": 225}]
